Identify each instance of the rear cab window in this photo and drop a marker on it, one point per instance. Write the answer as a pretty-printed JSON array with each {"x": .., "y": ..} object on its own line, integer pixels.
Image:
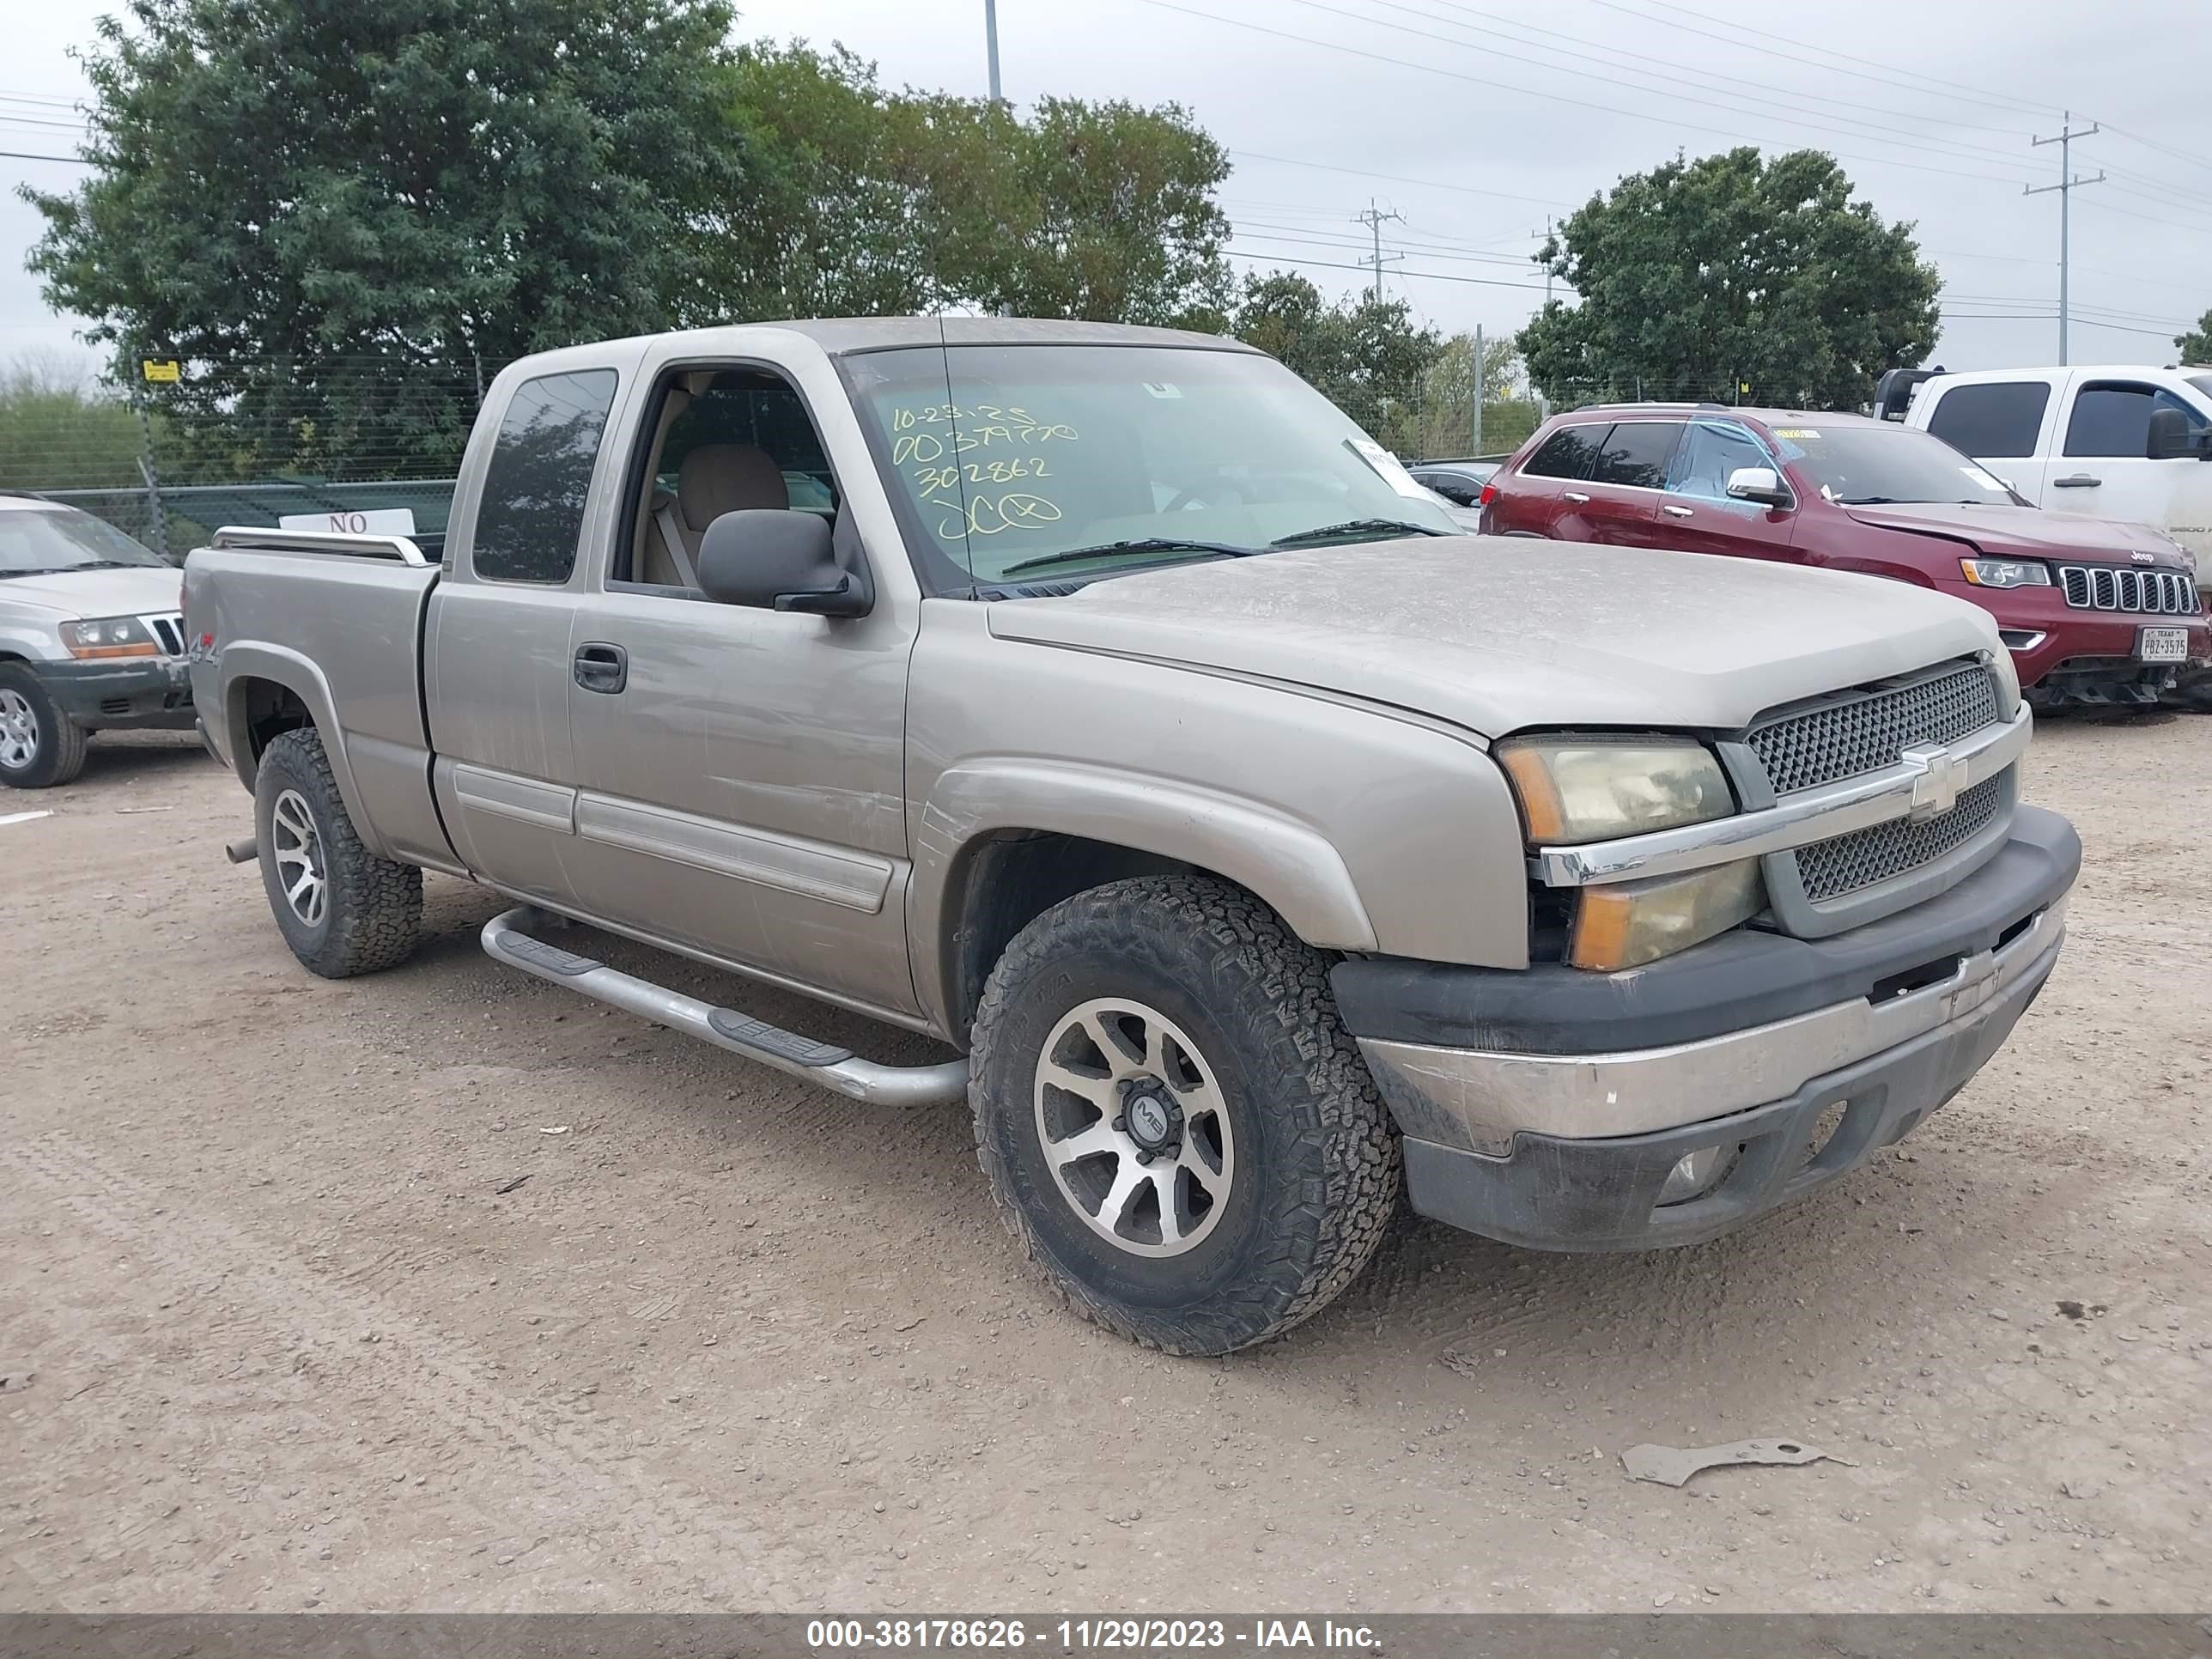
[
  {"x": 1999, "y": 420},
  {"x": 531, "y": 518}
]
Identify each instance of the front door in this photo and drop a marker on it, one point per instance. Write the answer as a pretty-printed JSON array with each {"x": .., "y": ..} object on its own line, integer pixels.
[
  {"x": 1698, "y": 515},
  {"x": 2104, "y": 469},
  {"x": 740, "y": 771}
]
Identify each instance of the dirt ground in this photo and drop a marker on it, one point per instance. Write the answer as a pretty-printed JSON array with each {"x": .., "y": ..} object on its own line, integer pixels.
[{"x": 280, "y": 1331}]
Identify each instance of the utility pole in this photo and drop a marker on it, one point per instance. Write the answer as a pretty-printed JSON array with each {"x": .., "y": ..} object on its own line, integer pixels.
[
  {"x": 1547, "y": 263},
  {"x": 2068, "y": 183},
  {"x": 991, "y": 41},
  {"x": 1478, "y": 388},
  {"x": 1374, "y": 219}
]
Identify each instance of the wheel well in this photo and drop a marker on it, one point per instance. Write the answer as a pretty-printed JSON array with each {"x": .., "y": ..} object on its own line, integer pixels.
[
  {"x": 1008, "y": 880},
  {"x": 270, "y": 710}
]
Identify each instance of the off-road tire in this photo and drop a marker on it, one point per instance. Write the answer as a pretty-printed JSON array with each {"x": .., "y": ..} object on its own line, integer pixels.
[
  {"x": 374, "y": 909},
  {"x": 58, "y": 754},
  {"x": 1319, "y": 1174}
]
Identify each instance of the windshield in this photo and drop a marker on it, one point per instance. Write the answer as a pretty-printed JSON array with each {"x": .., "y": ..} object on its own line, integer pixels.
[
  {"x": 1875, "y": 463},
  {"x": 1050, "y": 462},
  {"x": 2202, "y": 382},
  {"x": 37, "y": 539}
]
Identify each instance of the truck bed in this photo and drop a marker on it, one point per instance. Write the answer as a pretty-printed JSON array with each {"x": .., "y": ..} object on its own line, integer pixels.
[{"x": 338, "y": 623}]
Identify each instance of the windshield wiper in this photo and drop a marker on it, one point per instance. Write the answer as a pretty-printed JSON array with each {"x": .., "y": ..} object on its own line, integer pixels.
[
  {"x": 1374, "y": 527},
  {"x": 1873, "y": 501},
  {"x": 1139, "y": 545}
]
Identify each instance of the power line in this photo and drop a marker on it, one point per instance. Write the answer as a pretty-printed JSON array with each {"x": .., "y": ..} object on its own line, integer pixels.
[
  {"x": 1428, "y": 275},
  {"x": 26, "y": 156},
  {"x": 1579, "y": 103},
  {"x": 1828, "y": 57},
  {"x": 1392, "y": 178}
]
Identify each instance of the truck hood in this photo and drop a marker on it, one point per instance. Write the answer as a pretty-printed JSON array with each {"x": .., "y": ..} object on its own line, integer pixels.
[
  {"x": 141, "y": 591},
  {"x": 2027, "y": 532},
  {"x": 1497, "y": 634}
]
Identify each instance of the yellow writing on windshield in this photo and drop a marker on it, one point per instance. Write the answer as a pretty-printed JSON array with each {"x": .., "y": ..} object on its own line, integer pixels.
[{"x": 931, "y": 445}]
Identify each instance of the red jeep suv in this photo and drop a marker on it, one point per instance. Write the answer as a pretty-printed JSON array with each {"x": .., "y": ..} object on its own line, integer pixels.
[{"x": 2094, "y": 611}]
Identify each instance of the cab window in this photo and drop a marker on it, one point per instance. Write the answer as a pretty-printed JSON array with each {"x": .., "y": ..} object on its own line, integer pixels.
[
  {"x": 722, "y": 441},
  {"x": 1711, "y": 450},
  {"x": 1567, "y": 453},
  {"x": 1635, "y": 454},
  {"x": 2001, "y": 419},
  {"x": 2112, "y": 418}
]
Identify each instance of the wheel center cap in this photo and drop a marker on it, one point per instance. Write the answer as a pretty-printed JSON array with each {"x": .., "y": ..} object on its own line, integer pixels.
[{"x": 1150, "y": 1118}]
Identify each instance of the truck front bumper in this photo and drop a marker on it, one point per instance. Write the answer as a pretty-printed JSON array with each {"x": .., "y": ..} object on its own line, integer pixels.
[
  {"x": 1668, "y": 1104},
  {"x": 124, "y": 692}
]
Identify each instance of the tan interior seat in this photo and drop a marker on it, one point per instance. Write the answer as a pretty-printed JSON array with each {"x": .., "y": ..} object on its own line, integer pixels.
[{"x": 714, "y": 479}]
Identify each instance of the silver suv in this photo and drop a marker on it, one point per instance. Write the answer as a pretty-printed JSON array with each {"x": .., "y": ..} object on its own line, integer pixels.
[{"x": 91, "y": 639}]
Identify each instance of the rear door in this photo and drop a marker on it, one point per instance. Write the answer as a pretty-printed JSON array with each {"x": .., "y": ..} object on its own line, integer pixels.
[
  {"x": 495, "y": 664},
  {"x": 1698, "y": 515},
  {"x": 2104, "y": 469},
  {"x": 1530, "y": 499},
  {"x": 1625, "y": 481},
  {"x": 2008, "y": 425}
]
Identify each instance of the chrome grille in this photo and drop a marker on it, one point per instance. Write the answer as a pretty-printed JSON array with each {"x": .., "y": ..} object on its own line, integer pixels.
[
  {"x": 2145, "y": 593},
  {"x": 1831, "y": 869},
  {"x": 1869, "y": 731},
  {"x": 168, "y": 633}
]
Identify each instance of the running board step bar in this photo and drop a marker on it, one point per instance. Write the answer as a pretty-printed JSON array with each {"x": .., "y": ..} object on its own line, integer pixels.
[{"x": 817, "y": 1062}]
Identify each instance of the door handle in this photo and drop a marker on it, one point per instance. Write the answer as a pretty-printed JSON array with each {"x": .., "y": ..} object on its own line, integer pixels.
[
  {"x": 1674, "y": 512},
  {"x": 602, "y": 667},
  {"x": 1577, "y": 497},
  {"x": 2079, "y": 481}
]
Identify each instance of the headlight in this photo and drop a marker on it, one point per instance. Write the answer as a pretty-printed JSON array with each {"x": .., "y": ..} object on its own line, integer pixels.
[
  {"x": 1577, "y": 789},
  {"x": 108, "y": 637},
  {"x": 1632, "y": 922},
  {"x": 2004, "y": 572}
]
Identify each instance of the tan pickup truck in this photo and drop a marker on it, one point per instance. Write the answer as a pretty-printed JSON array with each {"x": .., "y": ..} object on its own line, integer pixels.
[{"x": 1104, "y": 702}]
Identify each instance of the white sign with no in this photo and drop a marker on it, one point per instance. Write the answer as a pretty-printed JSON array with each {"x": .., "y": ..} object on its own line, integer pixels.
[{"x": 372, "y": 521}]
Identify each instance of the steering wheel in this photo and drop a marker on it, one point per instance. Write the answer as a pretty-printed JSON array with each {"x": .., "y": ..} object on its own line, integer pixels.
[{"x": 1190, "y": 493}]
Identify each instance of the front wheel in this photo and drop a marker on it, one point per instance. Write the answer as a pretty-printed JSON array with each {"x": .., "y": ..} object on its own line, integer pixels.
[
  {"x": 1173, "y": 1120},
  {"x": 40, "y": 745},
  {"x": 342, "y": 909}
]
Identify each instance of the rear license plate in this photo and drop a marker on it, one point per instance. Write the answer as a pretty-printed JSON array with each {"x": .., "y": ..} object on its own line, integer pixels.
[{"x": 2162, "y": 645}]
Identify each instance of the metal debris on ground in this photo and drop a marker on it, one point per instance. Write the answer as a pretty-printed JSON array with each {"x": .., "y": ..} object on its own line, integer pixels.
[
  {"x": 501, "y": 1191},
  {"x": 1673, "y": 1466}
]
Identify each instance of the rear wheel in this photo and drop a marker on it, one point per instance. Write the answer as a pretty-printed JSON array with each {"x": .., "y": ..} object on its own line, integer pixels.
[
  {"x": 342, "y": 909},
  {"x": 40, "y": 745},
  {"x": 1173, "y": 1120}
]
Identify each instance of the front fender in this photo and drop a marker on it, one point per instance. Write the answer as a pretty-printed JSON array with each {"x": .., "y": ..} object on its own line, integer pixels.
[{"x": 1286, "y": 863}]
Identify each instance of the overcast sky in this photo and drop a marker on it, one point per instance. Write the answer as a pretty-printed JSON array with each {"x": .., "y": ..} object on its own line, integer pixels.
[{"x": 1476, "y": 121}]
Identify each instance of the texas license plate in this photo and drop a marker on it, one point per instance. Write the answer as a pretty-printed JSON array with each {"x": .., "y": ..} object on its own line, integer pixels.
[{"x": 2162, "y": 645}]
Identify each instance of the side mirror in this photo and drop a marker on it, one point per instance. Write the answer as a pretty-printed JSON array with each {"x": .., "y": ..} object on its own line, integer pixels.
[
  {"x": 1762, "y": 484},
  {"x": 778, "y": 559},
  {"x": 2168, "y": 440}
]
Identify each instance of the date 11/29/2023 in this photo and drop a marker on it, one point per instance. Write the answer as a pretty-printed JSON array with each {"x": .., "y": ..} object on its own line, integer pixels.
[{"x": 1088, "y": 1635}]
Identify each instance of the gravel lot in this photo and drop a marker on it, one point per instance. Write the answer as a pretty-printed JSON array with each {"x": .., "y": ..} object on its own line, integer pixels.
[{"x": 279, "y": 1330}]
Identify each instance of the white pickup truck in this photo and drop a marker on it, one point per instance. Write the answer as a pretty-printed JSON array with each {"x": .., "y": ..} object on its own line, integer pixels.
[{"x": 2122, "y": 442}]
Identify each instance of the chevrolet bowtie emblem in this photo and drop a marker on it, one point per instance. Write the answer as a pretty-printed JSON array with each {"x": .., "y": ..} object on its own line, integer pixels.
[{"x": 1938, "y": 773}]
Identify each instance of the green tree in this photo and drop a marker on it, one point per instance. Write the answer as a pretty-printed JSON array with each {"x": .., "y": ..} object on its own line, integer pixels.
[
  {"x": 2195, "y": 346},
  {"x": 345, "y": 218},
  {"x": 1444, "y": 422},
  {"x": 1365, "y": 355},
  {"x": 1699, "y": 277},
  {"x": 57, "y": 431},
  {"x": 867, "y": 202}
]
